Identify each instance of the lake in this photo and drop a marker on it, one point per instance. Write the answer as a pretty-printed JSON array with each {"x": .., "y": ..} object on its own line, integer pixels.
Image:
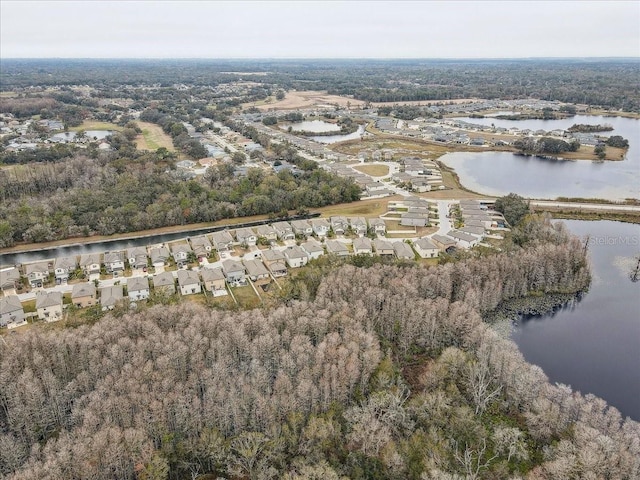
[
  {"x": 316, "y": 126},
  {"x": 499, "y": 173},
  {"x": 594, "y": 344},
  {"x": 340, "y": 138},
  {"x": 90, "y": 134}
]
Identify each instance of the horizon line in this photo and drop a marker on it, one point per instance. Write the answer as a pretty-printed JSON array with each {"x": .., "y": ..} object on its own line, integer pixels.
[{"x": 332, "y": 58}]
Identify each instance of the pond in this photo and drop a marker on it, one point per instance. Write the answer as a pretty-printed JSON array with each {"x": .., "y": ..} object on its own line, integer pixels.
[
  {"x": 90, "y": 134},
  {"x": 498, "y": 173},
  {"x": 340, "y": 138},
  {"x": 594, "y": 344},
  {"x": 316, "y": 126}
]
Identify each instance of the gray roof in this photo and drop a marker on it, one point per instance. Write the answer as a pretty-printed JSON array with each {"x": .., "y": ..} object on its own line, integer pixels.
[
  {"x": 211, "y": 274},
  {"x": 272, "y": 255},
  {"x": 282, "y": 226},
  {"x": 472, "y": 230},
  {"x": 180, "y": 248},
  {"x": 382, "y": 245},
  {"x": 244, "y": 233},
  {"x": 10, "y": 304},
  {"x": 9, "y": 275},
  {"x": 462, "y": 236},
  {"x": 36, "y": 267},
  {"x": 255, "y": 268},
  {"x": 377, "y": 221},
  {"x": 232, "y": 266},
  {"x": 265, "y": 230},
  {"x": 112, "y": 257},
  {"x": 403, "y": 250},
  {"x": 200, "y": 241},
  {"x": 111, "y": 295},
  {"x": 163, "y": 279},
  {"x": 135, "y": 284},
  {"x": 223, "y": 237},
  {"x": 83, "y": 289},
  {"x": 312, "y": 246},
  {"x": 362, "y": 244},
  {"x": 159, "y": 253},
  {"x": 443, "y": 240},
  {"x": 68, "y": 263},
  {"x": 300, "y": 224},
  {"x": 334, "y": 246},
  {"x": 425, "y": 243},
  {"x": 188, "y": 277},
  {"x": 89, "y": 259},
  {"x": 358, "y": 221},
  {"x": 295, "y": 252},
  {"x": 319, "y": 222},
  {"x": 48, "y": 299},
  {"x": 136, "y": 251}
]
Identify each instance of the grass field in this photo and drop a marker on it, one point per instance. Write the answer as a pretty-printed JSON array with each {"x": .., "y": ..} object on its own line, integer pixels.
[
  {"x": 373, "y": 170},
  {"x": 95, "y": 125},
  {"x": 153, "y": 137},
  {"x": 246, "y": 297},
  {"x": 366, "y": 208}
]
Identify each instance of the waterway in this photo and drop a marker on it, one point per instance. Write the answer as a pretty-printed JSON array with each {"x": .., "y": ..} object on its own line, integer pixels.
[
  {"x": 499, "y": 173},
  {"x": 594, "y": 344}
]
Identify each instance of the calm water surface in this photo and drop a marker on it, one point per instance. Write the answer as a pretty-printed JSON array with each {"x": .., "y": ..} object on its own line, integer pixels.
[
  {"x": 594, "y": 345},
  {"x": 498, "y": 173},
  {"x": 317, "y": 126}
]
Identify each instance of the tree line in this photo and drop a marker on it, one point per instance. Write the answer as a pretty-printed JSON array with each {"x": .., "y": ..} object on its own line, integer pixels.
[{"x": 386, "y": 372}]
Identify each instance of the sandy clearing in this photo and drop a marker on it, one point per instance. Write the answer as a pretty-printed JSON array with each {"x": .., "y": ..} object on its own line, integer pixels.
[{"x": 306, "y": 99}]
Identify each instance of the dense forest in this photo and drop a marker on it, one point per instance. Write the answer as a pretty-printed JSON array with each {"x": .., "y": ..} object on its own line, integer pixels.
[
  {"x": 387, "y": 372},
  {"x": 610, "y": 83},
  {"x": 111, "y": 194}
]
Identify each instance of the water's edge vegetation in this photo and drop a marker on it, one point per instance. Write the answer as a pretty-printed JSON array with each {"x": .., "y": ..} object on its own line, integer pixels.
[{"x": 380, "y": 372}]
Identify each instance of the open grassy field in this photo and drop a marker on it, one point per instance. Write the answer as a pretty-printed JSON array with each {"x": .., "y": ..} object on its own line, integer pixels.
[
  {"x": 304, "y": 99},
  {"x": 364, "y": 208},
  {"x": 373, "y": 170},
  {"x": 153, "y": 137},
  {"x": 96, "y": 125}
]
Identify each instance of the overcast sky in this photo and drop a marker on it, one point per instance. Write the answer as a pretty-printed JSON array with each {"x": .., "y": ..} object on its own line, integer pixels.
[{"x": 319, "y": 29}]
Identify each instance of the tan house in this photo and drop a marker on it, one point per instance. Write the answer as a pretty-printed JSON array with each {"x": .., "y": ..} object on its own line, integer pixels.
[
  {"x": 275, "y": 262},
  {"x": 214, "y": 281},
  {"x": 164, "y": 283},
  {"x": 111, "y": 296},
  {"x": 257, "y": 272},
  {"x": 49, "y": 306},
  {"x": 426, "y": 248},
  {"x": 84, "y": 295}
]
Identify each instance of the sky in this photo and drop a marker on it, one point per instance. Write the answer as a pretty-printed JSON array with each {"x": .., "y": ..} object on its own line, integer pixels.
[{"x": 318, "y": 29}]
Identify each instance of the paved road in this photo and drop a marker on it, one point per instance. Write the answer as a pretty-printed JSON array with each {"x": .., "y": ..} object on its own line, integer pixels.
[{"x": 443, "y": 214}]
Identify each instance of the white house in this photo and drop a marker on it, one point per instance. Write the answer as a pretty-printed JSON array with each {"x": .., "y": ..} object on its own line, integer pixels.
[
  {"x": 463, "y": 240},
  {"x": 63, "y": 267},
  {"x": 114, "y": 262},
  {"x": 90, "y": 264},
  {"x": 313, "y": 248},
  {"x": 426, "y": 248},
  {"x": 358, "y": 226},
  {"x": 37, "y": 273},
  {"x": 284, "y": 230},
  {"x": 377, "y": 226},
  {"x": 201, "y": 245},
  {"x": 362, "y": 246},
  {"x": 137, "y": 257},
  {"x": 337, "y": 248},
  {"x": 295, "y": 256},
  {"x": 320, "y": 226},
  {"x": 159, "y": 256},
  {"x": 11, "y": 312},
  {"x": 189, "y": 282},
  {"x": 49, "y": 306},
  {"x": 302, "y": 227},
  {"x": 138, "y": 288},
  {"x": 245, "y": 236},
  {"x": 180, "y": 253}
]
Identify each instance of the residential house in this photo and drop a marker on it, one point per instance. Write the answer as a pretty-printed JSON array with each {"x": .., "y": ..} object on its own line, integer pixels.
[
  {"x": 84, "y": 295},
  {"x": 403, "y": 251},
  {"x": 164, "y": 283},
  {"x": 257, "y": 272},
  {"x": 49, "y": 305},
  {"x": 426, "y": 248},
  {"x": 189, "y": 282},
  {"x": 464, "y": 240},
  {"x": 383, "y": 248},
  {"x": 476, "y": 231},
  {"x": 337, "y": 248},
  {"x": 411, "y": 219},
  {"x": 90, "y": 264},
  {"x": 358, "y": 226},
  {"x": 63, "y": 267},
  {"x": 420, "y": 184},
  {"x": 267, "y": 232},
  {"x": 9, "y": 278},
  {"x": 313, "y": 248},
  {"x": 114, "y": 262},
  {"x": 138, "y": 288},
  {"x": 339, "y": 225},
  {"x": 137, "y": 257},
  {"x": 445, "y": 244},
  {"x": 214, "y": 281},
  {"x": 222, "y": 241},
  {"x": 111, "y": 296},
  {"x": 180, "y": 253},
  {"x": 377, "y": 226},
  {"x": 11, "y": 312},
  {"x": 284, "y": 230},
  {"x": 320, "y": 226},
  {"x": 201, "y": 245},
  {"x": 37, "y": 273},
  {"x": 296, "y": 256},
  {"x": 362, "y": 246},
  {"x": 246, "y": 237},
  {"x": 275, "y": 262},
  {"x": 234, "y": 272},
  {"x": 302, "y": 228},
  {"x": 159, "y": 256}
]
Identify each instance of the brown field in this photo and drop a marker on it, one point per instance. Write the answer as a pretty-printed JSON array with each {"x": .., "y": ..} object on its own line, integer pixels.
[
  {"x": 373, "y": 170},
  {"x": 305, "y": 99},
  {"x": 428, "y": 102},
  {"x": 153, "y": 137},
  {"x": 364, "y": 208}
]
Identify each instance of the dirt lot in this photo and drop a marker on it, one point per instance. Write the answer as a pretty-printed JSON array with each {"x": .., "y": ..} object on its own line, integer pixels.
[{"x": 305, "y": 99}]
